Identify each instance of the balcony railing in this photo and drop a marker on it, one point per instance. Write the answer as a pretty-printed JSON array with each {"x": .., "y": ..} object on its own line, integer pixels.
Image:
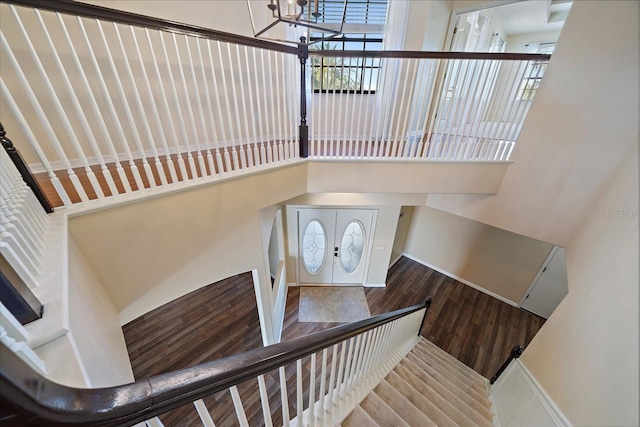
[{"x": 104, "y": 103}]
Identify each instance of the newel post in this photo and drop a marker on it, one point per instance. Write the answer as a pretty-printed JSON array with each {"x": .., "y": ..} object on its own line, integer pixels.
[
  {"x": 303, "y": 55},
  {"x": 427, "y": 304},
  {"x": 516, "y": 352}
]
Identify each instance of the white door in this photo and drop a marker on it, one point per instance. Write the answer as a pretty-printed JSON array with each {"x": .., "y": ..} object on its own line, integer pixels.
[
  {"x": 550, "y": 285},
  {"x": 334, "y": 245}
]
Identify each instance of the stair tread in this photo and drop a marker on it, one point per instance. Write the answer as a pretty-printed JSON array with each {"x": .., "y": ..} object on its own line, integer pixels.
[
  {"x": 475, "y": 407},
  {"x": 453, "y": 409},
  {"x": 419, "y": 401},
  {"x": 381, "y": 412},
  {"x": 358, "y": 418},
  {"x": 402, "y": 406},
  {"x": 427, "y": 346},
  {"x": 453, "y": 384},
  {"x": 451, "y": 365}
]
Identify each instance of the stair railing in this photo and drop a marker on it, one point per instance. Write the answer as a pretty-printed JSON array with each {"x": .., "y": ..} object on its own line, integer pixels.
[
  {"x": 345, "y": 364},
  {"x": 393, "y": 105},
  {"x": 113, "y": 103}
]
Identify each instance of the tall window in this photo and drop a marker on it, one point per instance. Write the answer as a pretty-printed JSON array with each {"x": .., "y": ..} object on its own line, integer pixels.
[
  {"x": 535, "y": 71},
  {"x": 363, "y": 30}
]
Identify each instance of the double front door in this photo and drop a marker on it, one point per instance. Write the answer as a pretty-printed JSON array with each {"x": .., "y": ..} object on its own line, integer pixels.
[{"x": 334, "y": 245}]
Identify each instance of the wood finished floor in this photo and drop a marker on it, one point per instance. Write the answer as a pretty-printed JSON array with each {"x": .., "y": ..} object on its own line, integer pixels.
[{"x": 221, "y": 319}]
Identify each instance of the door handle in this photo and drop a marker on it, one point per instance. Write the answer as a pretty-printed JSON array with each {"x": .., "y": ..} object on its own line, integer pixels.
[{"x": 335, "y": 251}]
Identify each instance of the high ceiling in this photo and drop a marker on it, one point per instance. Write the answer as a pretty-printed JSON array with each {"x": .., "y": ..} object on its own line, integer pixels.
[{"x": 532, "y": 15}]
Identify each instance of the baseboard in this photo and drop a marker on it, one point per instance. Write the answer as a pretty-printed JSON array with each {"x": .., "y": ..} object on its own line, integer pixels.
[
  {"x": 375, "y": 285},
  {"x": 395, "y": 260},
  {"x": 460, "y": 279},
  {"x": 518, "y": 397}
]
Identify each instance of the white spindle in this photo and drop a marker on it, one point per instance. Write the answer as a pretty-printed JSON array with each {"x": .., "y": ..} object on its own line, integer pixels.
[
  {"x": 170, "y": 122},
  {"x": 264, "y": 399},
  {"x": 232, "y": 139},
  {"x": 272, "y": 119},
  {"x": 141, "y": 111},
  {"x": 212, "y": 123},
  {"x": 311, "y": 408},
  {"x": 192, "y": 119},
  {"x": 277, "y": 143},
  {"x": 284, "y": 399},
  {"x": 154, "y": 110},
  {"x": 264, "y": 122},
  {"x": 43, "y": 118},
  {"x": 323, "y": 384},
  {"x": 420, "y": 97},
  {"x": 405, "y": 107},
  {"x": 33, "y": 142},
  {"x": 299, "y": 401},
  {"x": 203, "y": 124},
  {"x": 78, "y": 110},
  {"x": 332, "y": 375},
  {"x": 237, "y": 404},
  {"x": 203, "y": 413},
  {"x": 181, "y": 125},
  {"x": 234, "y": 92},
  {"x": 252, "y": 77},
  {"x": 220, "y": 161},
  {"x": 125, "y": 102},
  {"x": 467, "y": 101},
  {"x": 247, "y": 135}
]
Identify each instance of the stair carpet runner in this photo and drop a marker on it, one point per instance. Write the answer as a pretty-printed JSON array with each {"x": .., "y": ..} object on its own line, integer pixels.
[{"x": 427, "y": 388}]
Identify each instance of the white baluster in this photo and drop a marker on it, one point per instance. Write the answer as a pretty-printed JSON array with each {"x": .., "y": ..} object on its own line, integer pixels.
[
  {"x": 237, "y": 404},
  {"x": 185, "y": 90},
  {"x": 216, "y": 140},
  {"x": 220, "y": 162},
  {"x": 246, "y": 140},
  {"x": 299, "y": 402},
  {"x": 43, "y": 118},
  {"x": 203, "y": 413},
  {"x": 264, "y": 399},
  {"x": 312, "y": 391},
  {"x": 170, "y": 122},
  {"x": 78, "y": 110},
  {"x": 106, "y": 96},
  {"x": 284, "y": 399},
  {"x": 181, "y": 124},
  {"x": 33, "y": 142},
  {"x": 226, "y": 88},
  {"x": 323, "y": 384},
  {"x": 156, "y": 115}
]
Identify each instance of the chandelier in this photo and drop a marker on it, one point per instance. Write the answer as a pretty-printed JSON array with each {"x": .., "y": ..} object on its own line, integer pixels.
[{"x": 318, "y": 16}]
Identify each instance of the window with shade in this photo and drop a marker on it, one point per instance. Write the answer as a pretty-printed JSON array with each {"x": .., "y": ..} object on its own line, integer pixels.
[{"x": 363, "y": 30}]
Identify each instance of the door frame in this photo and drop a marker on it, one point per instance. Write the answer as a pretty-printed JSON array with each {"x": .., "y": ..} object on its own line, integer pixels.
[
  {"x": 542, "y": 269},
  {"x": 294, "y": 241}
]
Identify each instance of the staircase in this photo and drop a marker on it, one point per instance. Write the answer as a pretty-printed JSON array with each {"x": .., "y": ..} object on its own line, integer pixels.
[{"x": 427, "y": 388}]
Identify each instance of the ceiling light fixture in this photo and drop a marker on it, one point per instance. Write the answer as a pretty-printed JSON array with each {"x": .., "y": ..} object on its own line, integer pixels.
[{"x": 297, "y": 13}]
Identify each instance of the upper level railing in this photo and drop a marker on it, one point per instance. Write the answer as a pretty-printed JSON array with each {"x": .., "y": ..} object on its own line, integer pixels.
[
  {"x": 353, "y": 358},
  {"x": 104, "y": 103}
]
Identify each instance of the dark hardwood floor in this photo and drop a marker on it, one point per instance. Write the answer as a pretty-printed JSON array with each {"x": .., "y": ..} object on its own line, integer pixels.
[{"x": 221, "y": 319}]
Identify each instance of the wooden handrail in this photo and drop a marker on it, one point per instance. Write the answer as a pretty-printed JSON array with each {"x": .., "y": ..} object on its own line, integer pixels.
[
  {"x": 32, "y": 399},
  {"x": 113, "y": 15},
  {"x": 428, "y": 55}
]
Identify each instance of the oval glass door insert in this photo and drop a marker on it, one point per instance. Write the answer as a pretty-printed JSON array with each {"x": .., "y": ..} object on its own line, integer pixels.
[
  {"x": 352, "y": 246},
  {"x": 313, "y": 246}
]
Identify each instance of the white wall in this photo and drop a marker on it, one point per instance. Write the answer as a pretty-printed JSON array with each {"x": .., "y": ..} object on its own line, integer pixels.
[
  {"x": 586, "y": 354},
  {"x": 498, "y": 261},
  {"x": 561, "y": 160},
  {"x": 95, "y": 326},
  {"x": 154, "y": 251}
]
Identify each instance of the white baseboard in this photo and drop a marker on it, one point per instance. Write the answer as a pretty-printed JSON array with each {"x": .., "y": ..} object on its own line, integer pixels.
[
  {"x": 395, "y": 260},
  {"x": 519, "y": 399},
  {"x": 375, "y": 285},
  {"x": 460, "y": 279}
]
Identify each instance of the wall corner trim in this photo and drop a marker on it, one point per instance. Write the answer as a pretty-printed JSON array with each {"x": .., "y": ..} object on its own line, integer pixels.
[{"x": 461, "y": 280}]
